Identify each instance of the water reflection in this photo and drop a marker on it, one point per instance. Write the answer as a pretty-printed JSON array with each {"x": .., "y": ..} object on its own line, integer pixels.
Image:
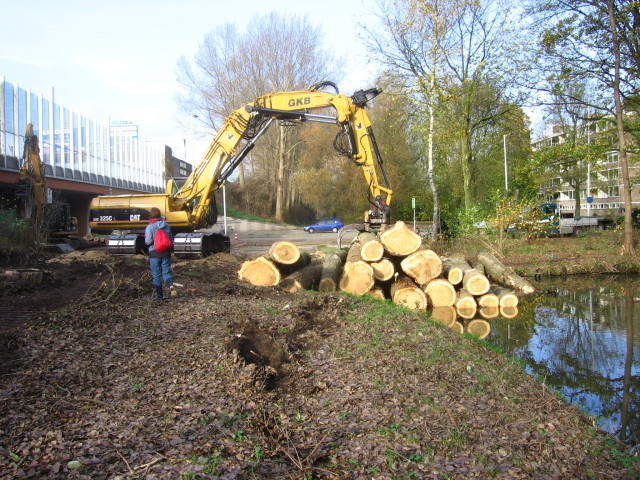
[{"x": 582, "y": 336}]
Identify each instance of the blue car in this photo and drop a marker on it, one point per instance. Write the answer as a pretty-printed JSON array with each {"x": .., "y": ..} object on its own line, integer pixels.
[{"x": 327, "y": 225}]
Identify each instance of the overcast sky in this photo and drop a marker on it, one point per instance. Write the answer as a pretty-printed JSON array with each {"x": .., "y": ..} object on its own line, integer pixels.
[{"x": 116, "y": 59}]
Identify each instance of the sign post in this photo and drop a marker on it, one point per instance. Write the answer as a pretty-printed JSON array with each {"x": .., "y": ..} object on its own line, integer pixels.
[{"x": 413, "y": 206}]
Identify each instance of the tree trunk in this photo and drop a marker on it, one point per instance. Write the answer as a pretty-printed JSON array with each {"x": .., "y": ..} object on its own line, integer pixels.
[
  {"x": 304, "y": 279},
  {"x": 372, "y": 249},
  {"x": 488, "y": 300},
  {"x": 286, "y": 268},
  {"x": 503, "y": 274},
  {"x": 280, "y": 176},
  {"x": 284, "y": 252},
  {"x": 627, "y": 247},
  {"x": 406, "y": 293},
  {"x": 331, "y": 270},
  {"x": 325, "y": 250},
  {"x": 353, "y": 255},
  {"x": 430, "y": 163},
  {"x": 465, "y": 301},
  {"x": 376, "y": 292},
  {"x": 454, "y": 268},
  {"x": 260, "y": 272},
  {"x": 475, "y": 282},
  {"x": 423, "y": 266},
  {"x": 506, "y": 297},
  {"x": 383, "y": 270},
  {"x": 400, "y": 240},
  {"x": 357, "y": 275},
  {"x": 357, "y": 278},
  {"x": 440, "y": 292}
]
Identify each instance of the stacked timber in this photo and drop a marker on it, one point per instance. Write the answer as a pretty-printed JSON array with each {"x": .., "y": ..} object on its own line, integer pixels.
[{"x": 395, "y": 265}]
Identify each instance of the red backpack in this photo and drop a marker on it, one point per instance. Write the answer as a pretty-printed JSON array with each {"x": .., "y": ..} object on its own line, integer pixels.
[{"x": 162, "y": 242}]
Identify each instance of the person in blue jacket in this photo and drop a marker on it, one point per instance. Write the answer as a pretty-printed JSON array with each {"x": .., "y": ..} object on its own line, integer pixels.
[{"x": 160, "y": 262}]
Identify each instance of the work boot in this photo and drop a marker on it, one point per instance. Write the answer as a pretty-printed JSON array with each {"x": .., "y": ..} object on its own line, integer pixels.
[
  {"x": 158, "y": 294},
  {"x": 173, "y": 291}
]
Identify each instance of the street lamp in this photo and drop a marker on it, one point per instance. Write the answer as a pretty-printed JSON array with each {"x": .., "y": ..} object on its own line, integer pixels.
[{"x": 506, "y": 168}]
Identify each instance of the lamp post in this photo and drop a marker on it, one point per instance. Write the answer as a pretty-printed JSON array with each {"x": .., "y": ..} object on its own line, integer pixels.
[{"x": 506, "y": 168}]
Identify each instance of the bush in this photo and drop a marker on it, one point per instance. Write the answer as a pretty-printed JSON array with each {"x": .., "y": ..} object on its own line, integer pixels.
[{"x": 16, "y": 235}]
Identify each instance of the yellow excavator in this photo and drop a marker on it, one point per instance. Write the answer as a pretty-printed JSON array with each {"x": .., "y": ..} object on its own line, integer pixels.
[
  {"x": 193, "y": 206},
  {"x": 52, "y": 221}
]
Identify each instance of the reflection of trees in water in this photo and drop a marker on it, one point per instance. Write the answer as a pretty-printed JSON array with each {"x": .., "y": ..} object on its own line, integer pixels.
[
  {"x": 579, "y": 335},
  {"x": 630, "y": 422}
]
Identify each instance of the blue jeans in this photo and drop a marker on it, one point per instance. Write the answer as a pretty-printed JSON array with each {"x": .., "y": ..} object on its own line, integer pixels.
[{"x": 161, "y": 268}]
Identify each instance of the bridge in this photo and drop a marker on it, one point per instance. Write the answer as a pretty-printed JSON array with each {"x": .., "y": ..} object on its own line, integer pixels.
[{"x": 82, "y": 158}]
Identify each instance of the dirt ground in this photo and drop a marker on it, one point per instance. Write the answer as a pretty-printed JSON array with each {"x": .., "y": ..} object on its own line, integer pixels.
[{"x": 232, "y": 381}]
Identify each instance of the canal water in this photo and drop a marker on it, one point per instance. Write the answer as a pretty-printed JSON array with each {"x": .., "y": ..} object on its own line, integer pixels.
[{"x": 581, "y": 336}]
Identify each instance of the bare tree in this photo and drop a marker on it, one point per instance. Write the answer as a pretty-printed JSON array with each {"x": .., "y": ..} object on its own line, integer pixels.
[{"x": 275, "y": 53}]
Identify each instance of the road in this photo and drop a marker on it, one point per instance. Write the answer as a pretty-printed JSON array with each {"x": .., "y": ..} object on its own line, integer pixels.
[{"x": 253, "y": 243}]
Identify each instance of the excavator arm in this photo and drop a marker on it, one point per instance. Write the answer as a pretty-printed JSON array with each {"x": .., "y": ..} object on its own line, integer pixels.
[
  {"x": 31, "y": 181},
  {"x": 193, "y": 207},
  {"x": 355, "y": 140}
]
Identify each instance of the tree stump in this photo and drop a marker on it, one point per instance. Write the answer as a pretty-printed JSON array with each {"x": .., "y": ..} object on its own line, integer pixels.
[
  {"x": 260, "y": 272},
  {"x": 503, "y": 274},
  {"x": 440, "y": 292},
  {"x": 422, "y": 265},
  {"x": 400, "y": 240},
  {"x": 406, "y": 293}
]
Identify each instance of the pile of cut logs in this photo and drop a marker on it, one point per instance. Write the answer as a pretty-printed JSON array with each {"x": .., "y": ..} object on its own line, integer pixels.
[{"x": 395, "y": 264}]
